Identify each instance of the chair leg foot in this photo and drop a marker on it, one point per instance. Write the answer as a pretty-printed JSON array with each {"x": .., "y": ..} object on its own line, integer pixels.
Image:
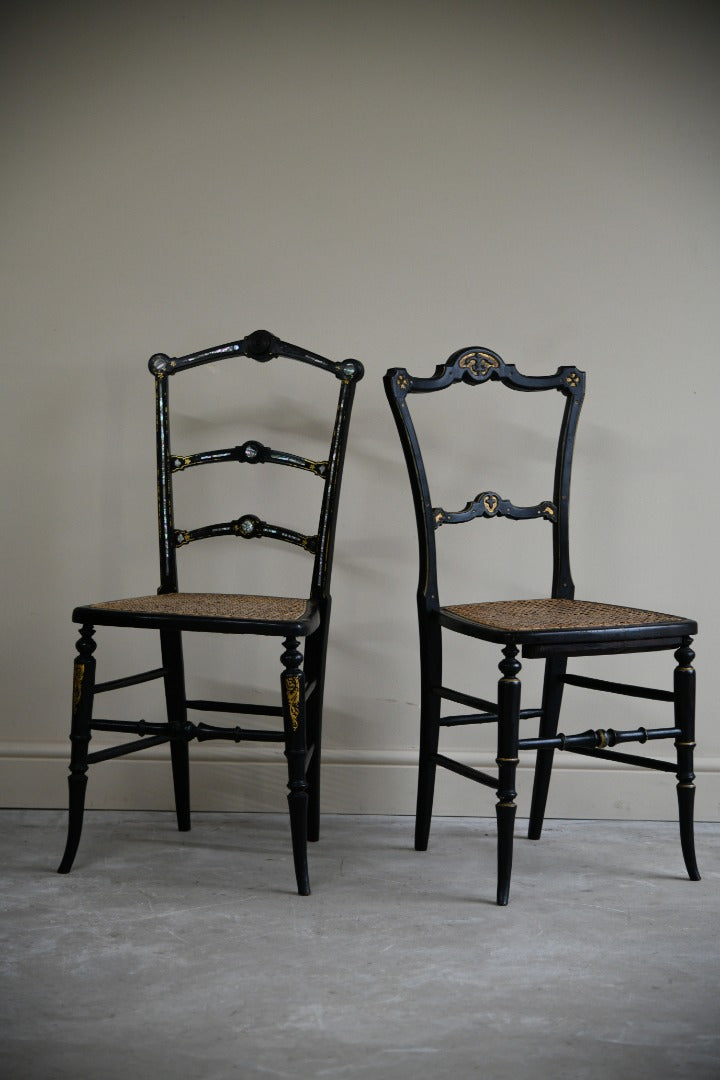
[
  {"x": 77, "y": 787},
  {"x": 686, "y": 803},
  {"x": 181, "y": 783},
  {"x": 506, "y": 830},
  {"x": 423, "y": 814},
  {"x": 298, "y": 807},
  {"x": 543, "y": 772}
]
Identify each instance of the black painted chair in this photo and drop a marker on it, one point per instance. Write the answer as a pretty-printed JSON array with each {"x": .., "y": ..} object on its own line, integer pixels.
[
  {"x": 552, "y": 629},
  {"x": 173, "y": 612}
]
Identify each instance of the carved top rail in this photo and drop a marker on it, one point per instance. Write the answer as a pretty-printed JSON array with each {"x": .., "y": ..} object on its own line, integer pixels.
[{"x": 474, "y": 366}]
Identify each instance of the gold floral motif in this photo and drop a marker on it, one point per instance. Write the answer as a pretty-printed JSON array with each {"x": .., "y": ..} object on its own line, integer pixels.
[
  {"x": 439, "y": 517},
  {"x": 292, "y": 692},
  {"x": 490, "y": 502},
  {"x": 549, "y": 510},
  {"x": 573, "y": 379},
  {"x": 78, "y": 673},
  {"x": 402, "y": 382},
  {"x": 479, "y": 363}
]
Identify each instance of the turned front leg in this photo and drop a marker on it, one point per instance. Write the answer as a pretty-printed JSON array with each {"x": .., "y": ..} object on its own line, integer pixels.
[
  {"x": 293, "y": 701},
  {"x": 684, "y": 687},
  {"x": 507, "y": 760},
  {"x": 80, "y": 734}
]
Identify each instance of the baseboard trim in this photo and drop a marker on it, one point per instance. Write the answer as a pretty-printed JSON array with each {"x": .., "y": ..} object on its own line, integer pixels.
[{"x": 231, "y": 778}]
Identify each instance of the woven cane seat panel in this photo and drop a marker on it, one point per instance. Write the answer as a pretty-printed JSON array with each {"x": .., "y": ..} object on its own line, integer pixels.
[
  {"x": 524, "y": 616},
  {"x": 212, "y": 605}
]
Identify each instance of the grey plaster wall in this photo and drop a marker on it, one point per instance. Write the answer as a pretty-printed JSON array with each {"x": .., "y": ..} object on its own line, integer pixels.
[{"x": 390, "y": 181}]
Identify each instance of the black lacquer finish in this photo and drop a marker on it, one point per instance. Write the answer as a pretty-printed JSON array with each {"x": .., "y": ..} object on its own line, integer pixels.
[
  {"x": 302, "y": 677},
  {"x": 555, "y": 643},
  {"x": 249, "y": 526},
  {"x": 253, "y": 453}
]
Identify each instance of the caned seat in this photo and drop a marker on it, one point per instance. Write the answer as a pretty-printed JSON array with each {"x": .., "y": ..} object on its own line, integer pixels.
[
  {"x": 535, "y": 620},
  {"x": 187, "y": 609},
  {"x": 173, "y": 613},
  {"x": 553, "y": 628}
]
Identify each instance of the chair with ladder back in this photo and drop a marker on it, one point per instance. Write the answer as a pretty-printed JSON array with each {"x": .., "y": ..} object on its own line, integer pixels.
[{"x": 173, "y": 613}]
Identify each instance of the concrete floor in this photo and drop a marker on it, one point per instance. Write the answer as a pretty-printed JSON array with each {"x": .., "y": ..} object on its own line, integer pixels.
[{"x": 184, "y": 956}]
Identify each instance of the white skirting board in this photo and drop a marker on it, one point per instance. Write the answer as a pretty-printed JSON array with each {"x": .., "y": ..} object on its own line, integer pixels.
[{"x": 243, "y": 778}]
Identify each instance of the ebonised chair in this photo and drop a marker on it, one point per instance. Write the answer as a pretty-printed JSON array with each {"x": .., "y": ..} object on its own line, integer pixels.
[
  {"x": 552, "y": 629},
  {"x": 173, "y": 612}
]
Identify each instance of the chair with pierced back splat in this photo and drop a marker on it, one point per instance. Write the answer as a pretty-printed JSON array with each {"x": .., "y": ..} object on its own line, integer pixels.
[
  {"x": 553, "y": 629},
  {"x": 172, "y": 612}
]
